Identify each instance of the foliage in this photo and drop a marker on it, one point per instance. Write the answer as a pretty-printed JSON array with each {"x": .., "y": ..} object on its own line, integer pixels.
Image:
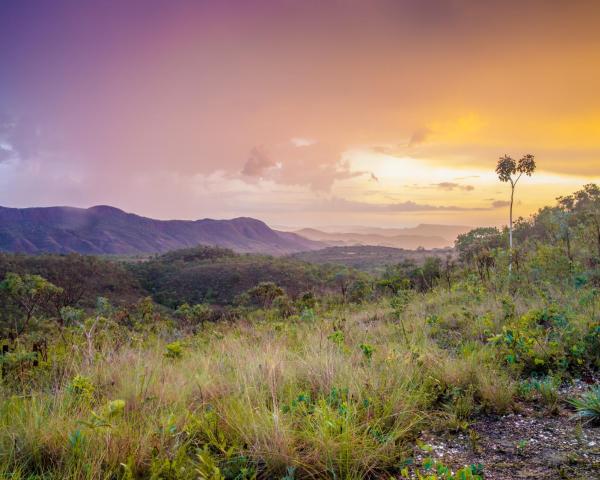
[
  {"x": 264, "y": 294},
  {"x": 431, "y": 469},
  {"x": 81, "y": 387},
  {"x": 174, "y": 350},
  {"x": 82, "y": 278},
  {"x": 545, "y": 340},
  {"x": 472, "y": 244},
  {"x": 587, "y": 407},
  {"x": 201, "y": 275},
  {"x": 507, "y": 168},
  {"x": 193, "y": 315},
  {"x": 367, "y": 350},
  {"x": 30, "y": 294}
]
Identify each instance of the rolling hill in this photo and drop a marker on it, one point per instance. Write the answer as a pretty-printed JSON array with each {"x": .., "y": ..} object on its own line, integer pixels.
[
  {"x": 369, "y": 258},
  {"x": 108, "y": 230},
  {"x": 424, "y": 235}
]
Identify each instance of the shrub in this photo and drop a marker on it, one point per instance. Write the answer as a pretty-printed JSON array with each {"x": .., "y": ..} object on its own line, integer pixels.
[
  {"x": 367, "y": 350},
  {"x": 81, "y": 387},
  {"x": 174, "y": 350},
  {"x": 587, "y": 407}
]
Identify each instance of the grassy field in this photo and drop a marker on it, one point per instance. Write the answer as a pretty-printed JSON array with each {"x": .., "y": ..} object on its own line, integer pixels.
[{"x": 341, "y": 393}]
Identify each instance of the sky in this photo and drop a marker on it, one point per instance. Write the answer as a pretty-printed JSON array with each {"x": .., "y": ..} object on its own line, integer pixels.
[{"x": 298, "y": 112}]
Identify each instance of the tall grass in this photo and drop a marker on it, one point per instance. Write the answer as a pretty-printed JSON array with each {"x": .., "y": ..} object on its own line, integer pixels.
[{"x": 260, "y": 397}]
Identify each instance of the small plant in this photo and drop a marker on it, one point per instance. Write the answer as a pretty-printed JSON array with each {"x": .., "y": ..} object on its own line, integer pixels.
[
  {"x": 302, "y": 403},
  {"x": 115, "y": 408},
  {"x": 76, "y": 441},
  {"x": 337, "y": 337},
  {"x": 367, "y": 350},
  {"x": 521, "y": 446},
  {"x": 544, "y": 391},
  {"x": 174, "y": 350},
  {"x": 308, "y": 315},
  {"x": 208, "y": 467},
  {"x": 548, "y": 393},
  {"x": 110, "y": 411},
  {"x": 587, "y": 407},
  {"x": 431, "y": 469},
  {"x": 399, "y": 304},
  {"x": 474, "y": 439},
  {"x": 401, "y": 301},
  {"x": 81, "y": 387},
  {"x": 290, "y": 474}
]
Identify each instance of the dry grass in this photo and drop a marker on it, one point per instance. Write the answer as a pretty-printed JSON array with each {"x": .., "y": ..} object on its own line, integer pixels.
[{"x": 263, "y": 395}]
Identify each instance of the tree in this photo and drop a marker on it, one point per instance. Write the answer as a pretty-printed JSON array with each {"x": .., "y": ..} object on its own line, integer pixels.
[
  {"x": 553, "y": 225},
  {"x": 585, "y": 205},
  {"x": 509, "y": 170},
  {"x": 472, "y": 243},
  {"x": 264, "y": 294},
  {"x": 194, "y": 314},
  {"x": 343, "y": 277},
  {"x": 395, "y": 278},
  {"x": 30, "y": 293}
]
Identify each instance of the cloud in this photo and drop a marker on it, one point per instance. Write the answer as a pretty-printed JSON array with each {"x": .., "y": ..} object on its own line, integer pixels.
[
  {"x": 22, "y": 139},
  {"x": 337, "y": 204},
  {"x": 449, "y": 186},
  {"x": 410, "y": 206},
  {"x": 258, "y": 163},
  {"x": 316, "y": 166},
  {"x": 302, "y": 141},
  {"x": 419, "y": 136},
  {"x": 6, "y": 153}
]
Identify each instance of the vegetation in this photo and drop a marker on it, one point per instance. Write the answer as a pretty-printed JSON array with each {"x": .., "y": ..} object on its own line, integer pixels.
[
  {"x": 371, "y": 259},
  {"x": 233, "y": 366},
  {"x": 588, "y": 406},
  {"x": 219, "y": 276},
  {"x": 509, "y": 170}
]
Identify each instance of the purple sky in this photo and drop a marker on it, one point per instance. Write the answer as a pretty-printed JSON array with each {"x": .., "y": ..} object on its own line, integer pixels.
[{"x": 296, "y": 112}]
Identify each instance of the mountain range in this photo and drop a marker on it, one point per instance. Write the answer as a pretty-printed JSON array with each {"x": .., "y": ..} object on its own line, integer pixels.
[
  {"x": 107, "y": 230},
  {"x": 425, "y": 236}
]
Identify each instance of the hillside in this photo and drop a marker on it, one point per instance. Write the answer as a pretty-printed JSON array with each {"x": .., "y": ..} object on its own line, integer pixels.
[
  {"x": 108, "y": 230},
  {"x": 218, "y": 276},
  {"x": 369, "y": 258}
]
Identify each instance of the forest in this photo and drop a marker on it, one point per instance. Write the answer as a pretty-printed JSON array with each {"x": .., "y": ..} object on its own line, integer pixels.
[{"x": 205, "y": 363}]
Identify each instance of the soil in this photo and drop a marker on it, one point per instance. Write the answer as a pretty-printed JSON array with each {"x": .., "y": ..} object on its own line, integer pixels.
[{"x": 531, "y": 444}]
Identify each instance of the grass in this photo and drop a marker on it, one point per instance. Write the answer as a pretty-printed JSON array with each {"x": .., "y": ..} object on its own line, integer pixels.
[
  {"x": 587, "y": 406},
  {"x": 340, "y": 394}
]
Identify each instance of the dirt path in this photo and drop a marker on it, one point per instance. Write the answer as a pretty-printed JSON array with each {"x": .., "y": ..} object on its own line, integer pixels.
[{"x": 529, "y": 445}]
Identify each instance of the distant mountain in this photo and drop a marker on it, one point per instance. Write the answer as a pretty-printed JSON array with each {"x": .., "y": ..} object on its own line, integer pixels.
[
  {"x": 425, "y": 236},
  {"x": 108, "y": 230},
  {"x": 448, "y": 232}
]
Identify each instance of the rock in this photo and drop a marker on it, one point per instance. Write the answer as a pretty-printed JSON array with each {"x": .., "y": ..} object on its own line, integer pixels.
[{"x": 553, "y": 459}]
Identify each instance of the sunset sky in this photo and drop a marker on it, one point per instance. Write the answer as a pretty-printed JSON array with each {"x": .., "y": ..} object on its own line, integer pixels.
[{"x": 300, "y": 113}]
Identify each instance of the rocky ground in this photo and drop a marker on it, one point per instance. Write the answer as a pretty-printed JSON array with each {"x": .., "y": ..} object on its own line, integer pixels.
[{"x": 531, "y": 444}]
